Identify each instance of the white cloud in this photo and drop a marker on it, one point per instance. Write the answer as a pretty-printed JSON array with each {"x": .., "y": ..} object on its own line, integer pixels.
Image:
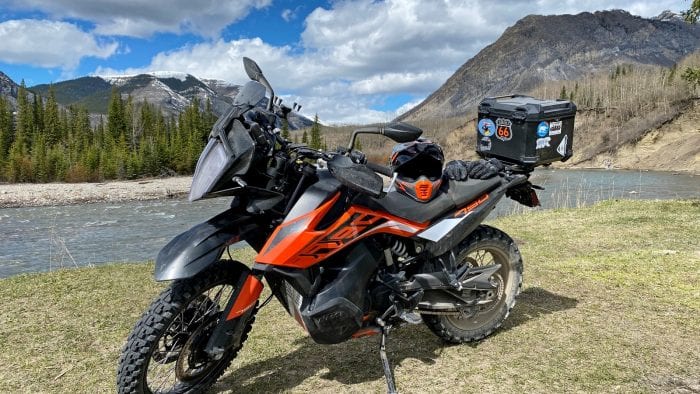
[
  {"x": 140, "y": 18},
  {"x": 49, "y": 44},
  {"x": 409, "y": 105},
  {"x": 357, "y": 52},
  {"x": 289, "y": 15}
]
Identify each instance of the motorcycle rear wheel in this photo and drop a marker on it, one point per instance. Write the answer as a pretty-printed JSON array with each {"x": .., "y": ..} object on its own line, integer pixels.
[
  {"x": 484, "y": 246},
  {"x": 164, "y": 353}
]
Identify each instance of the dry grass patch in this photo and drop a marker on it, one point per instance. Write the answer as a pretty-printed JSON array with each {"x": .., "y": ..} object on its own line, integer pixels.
[{"x": 610, "y": 303}]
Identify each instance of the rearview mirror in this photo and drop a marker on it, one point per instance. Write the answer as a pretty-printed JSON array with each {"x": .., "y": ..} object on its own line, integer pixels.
[
  {"x": 402, "y": 132},
  {"x": 397, "y": 131},
  {"x": 252, "y": 69},
  {"x": 255, "y": 73}
]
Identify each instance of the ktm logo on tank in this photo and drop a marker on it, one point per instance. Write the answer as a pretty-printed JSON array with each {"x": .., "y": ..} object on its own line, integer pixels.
[{"x": 346, "y": 233}]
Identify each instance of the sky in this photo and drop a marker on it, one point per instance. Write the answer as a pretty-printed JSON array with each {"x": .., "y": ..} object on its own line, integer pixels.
[{"x": 349, "y": 61}]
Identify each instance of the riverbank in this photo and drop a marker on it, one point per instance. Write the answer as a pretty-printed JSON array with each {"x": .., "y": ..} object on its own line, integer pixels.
[
  {"x": 44, "y": 194},
  {"x": 600, "y": 285}
]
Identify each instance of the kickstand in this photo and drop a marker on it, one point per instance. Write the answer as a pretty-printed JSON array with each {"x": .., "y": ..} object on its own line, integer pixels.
[{"x": 391, "y": 386}]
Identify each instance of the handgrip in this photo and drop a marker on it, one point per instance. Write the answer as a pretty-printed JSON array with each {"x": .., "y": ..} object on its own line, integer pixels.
[{"x": 380, "y": 169}]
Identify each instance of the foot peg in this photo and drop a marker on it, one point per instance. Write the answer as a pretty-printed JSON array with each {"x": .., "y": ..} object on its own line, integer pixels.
[{"x": 410, "y": 317}]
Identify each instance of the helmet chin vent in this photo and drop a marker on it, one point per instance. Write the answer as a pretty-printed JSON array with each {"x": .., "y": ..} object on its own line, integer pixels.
[{"x": 424, "y": 190}]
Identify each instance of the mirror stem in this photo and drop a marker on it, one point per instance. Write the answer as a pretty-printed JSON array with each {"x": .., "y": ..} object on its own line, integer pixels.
[{"x": 364, "y": 130}]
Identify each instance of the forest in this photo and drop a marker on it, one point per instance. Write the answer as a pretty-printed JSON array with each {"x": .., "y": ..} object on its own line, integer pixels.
[{"x": 43, "y": 141}]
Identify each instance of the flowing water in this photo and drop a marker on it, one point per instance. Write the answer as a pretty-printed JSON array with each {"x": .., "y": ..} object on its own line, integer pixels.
[{"x": 44, "y": 238}]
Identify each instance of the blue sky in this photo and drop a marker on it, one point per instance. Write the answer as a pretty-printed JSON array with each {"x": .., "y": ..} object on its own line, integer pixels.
[{"x": 350, "y": 61}]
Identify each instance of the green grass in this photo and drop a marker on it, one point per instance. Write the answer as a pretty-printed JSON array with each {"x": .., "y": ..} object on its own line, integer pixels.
[{"x": 611, "y": 303}]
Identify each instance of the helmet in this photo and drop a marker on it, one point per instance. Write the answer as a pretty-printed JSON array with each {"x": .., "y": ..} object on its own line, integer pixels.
[{"x": 418, "y": 165}]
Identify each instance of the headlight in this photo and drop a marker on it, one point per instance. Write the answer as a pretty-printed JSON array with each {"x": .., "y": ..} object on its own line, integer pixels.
[{"x": 211, "y": 166}]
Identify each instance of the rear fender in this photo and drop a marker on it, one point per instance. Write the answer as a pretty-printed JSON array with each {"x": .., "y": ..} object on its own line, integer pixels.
[
  {"x": 449, "y": 231},
  {"x": 197, "y": 248},
  {"x": 446, "y": 233}
]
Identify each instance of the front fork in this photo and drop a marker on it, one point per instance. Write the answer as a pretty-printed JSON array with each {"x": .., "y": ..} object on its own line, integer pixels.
[{"x": 239, "y": 309}]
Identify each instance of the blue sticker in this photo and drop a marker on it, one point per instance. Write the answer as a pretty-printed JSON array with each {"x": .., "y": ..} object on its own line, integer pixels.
[
  {"x": 486, "y": 127},
  {"x": 543, "y": 129}
]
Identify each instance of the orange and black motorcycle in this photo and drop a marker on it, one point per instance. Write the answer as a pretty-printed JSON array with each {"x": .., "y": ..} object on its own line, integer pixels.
[{"x": 345, "y": 256}]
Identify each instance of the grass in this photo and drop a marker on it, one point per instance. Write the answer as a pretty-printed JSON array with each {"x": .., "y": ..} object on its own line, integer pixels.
[{"x": 610, "y": 304}]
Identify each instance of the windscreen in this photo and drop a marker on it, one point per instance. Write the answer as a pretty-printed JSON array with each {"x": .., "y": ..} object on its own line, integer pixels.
[{"x": 250, "y": 94}]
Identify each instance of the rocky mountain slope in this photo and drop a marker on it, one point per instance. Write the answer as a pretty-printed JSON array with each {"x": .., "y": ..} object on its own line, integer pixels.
[{"x": 559, "y": 47}]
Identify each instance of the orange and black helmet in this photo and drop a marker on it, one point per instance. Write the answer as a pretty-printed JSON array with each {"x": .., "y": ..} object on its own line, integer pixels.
[{"x": 419, "y": 168}]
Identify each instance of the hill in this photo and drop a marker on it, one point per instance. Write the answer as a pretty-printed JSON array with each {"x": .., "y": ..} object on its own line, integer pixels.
[{"x": 559, "y": 47}]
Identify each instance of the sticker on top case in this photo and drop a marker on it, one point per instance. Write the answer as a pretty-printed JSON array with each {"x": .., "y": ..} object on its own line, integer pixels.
[
  {"x": 555, "y": 128},
  {"x": 543, "y": 129},
  {"x": 486, "y": 127}
]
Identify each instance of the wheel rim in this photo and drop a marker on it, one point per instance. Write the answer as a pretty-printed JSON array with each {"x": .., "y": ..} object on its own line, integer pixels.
[
  {"x": 178, "y": 357},
  {"x": 492, "y": 301}
]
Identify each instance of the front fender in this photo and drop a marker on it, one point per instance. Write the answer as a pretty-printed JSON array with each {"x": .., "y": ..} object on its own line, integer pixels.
[{"x": 202, "y": 245}]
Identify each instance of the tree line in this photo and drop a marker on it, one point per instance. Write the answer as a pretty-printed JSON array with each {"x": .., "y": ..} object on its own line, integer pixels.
[{"x": 45, "y": 142}]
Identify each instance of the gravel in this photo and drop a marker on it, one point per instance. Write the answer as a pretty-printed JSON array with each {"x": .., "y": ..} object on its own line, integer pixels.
[{"x": 42, "y": 194}]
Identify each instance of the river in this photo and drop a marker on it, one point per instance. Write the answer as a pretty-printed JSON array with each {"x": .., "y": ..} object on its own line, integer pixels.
[{"x": 45, "y": 238}]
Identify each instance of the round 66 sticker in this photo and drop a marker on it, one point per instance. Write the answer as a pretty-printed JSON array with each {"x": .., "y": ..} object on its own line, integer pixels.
[
  {"x": 503, "y": 129},
  {"x": 486, "y": 127}
]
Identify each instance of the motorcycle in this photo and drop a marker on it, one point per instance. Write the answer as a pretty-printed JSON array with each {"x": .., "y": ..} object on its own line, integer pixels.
[{"x": 345, "y": 256}]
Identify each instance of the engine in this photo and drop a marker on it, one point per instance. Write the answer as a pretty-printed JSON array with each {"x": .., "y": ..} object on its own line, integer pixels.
[{"x": 336, "y": 311}]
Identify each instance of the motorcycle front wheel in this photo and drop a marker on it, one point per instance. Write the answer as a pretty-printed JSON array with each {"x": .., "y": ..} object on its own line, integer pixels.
[
  {"x": 165, "y": 351},
  {"x": 483, "y": 247}
]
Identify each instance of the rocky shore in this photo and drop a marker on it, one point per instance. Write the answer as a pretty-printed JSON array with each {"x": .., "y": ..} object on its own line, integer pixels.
[{"x": 43, "y": 194}]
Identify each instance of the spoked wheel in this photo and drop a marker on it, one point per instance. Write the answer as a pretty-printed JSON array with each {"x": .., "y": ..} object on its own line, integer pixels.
[
  {"x": 165, "y": 351},
  {"x": 483, "y": 247}
]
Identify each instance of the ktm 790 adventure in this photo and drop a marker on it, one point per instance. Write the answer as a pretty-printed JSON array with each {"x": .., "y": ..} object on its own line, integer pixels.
[{"x": 345, "y": 256}]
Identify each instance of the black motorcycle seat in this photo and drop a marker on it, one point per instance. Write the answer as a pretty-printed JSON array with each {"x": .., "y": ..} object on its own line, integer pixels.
[{"x": 452, "y": 195}]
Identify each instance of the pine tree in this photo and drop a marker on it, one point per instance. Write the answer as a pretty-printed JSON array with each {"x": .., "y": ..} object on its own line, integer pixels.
[
  {"x": 563, "y": 95},
  {"x": 285, "y": 129},
  {"x": 304, "y": 138},
  {"x": 5, "y": 131},
  {"x": 38, "y": 157},
  {"x": 52, "y": 127},
  {"x": 358, "y": 144},
  {"x": 693, "y": 13},
  {"x": 25, "y": 118},
  {"x": 316, "y": 142},
  {"x": 116, "y": 122}
]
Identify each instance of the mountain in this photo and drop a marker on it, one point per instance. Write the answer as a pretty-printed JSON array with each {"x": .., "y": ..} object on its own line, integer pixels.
[
  {"x": 171, "y": 91},
  {"x": 559, "y": 47},
  {"x": 9, "y": 89}
]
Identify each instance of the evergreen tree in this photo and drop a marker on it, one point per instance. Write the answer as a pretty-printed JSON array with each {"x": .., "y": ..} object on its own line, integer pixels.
[
  {"x": 315, "y": 142},
  {"x": 304, "y": 138},
  {"x": 285, "y": 129},
  {"x": 693, "y": 13},
  {"x": 38, "y": 158},
  {"x": 563, "y": 95},
  {"x": 116, "y": 121},
  {"x": 52, "y": 126},
  {"x": 358, "y": 144},
  {"x": 25, "y": 118},
  {"x": 5, "y": 131}
]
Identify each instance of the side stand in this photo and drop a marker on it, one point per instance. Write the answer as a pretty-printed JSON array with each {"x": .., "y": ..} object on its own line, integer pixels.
[{"x": 391, "y": 386}]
